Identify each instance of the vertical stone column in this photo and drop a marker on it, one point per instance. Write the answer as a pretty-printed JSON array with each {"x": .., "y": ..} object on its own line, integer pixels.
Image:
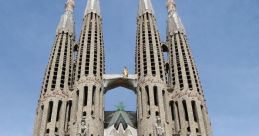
[
  {"x": 53, "y": 118},
  {"x": 44, "y": 119},
  {"x": 38, "y": 121},
  {"x": 62, "y": 119}
]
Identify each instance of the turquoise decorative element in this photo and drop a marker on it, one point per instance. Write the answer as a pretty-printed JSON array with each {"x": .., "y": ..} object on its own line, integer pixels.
[{"x": 120, "y": 107}]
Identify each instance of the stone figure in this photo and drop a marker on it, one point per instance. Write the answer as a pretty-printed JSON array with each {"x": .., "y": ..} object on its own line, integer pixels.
[
  {"x": 125, "y": 72},
  {"x": 83, "y": 128},
  {"x": 159, "y": 130}
]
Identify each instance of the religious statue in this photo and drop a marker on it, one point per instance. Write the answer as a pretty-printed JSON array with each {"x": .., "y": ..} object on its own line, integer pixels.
[
  {"x": 125, "y": 72},
  {"x": 159, "y": 130},
  {"x": 83, "y": 129}
]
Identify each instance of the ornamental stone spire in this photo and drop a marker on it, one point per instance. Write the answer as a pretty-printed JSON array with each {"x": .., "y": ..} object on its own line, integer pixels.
[
  {"x": 93, "y": 6},
  {"x": 174, "y": 21},
  {"x": 151, "y": 88},
  {"x": 54, "y": 106},
  {"x": 67, "y": 19},
  {"x": 89, "y": 92},
  {"x": 70, "y": 5},
  {"x": 189, "y": 112},
  {"x": 145, "y": 6}
]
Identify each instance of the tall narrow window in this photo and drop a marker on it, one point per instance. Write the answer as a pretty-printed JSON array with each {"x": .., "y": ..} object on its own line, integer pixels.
[
  {"x": 100, "y": 102},
  {"x": 58, "y": 112},
  {"x": 178, "y": 114},
  {"x": 147, "y": 92},
  {"x": 85, "y": 95},
  {"x": 194, "y": 110},
  {"x": 141, "y": 98},
  {"x": 155, "y": 95},
  {"x": 172, "y": 110},
  {"x": 50, "y": 111},
  {"x": 69, "y": 110},
  {"x": 185, "y": 110},
  {"x": 93, "y": 95},
  {"x": 165, "y": 105}
]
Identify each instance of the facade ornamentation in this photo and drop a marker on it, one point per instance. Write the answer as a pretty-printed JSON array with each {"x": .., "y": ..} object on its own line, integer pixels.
[
  {"x": 125, "y": 72},
  {"x": 170, "y": 99},
  {"x": 87, "y": 80},
  {"x": 181, "y": 94},
  {"x": 55, "y": 94},
  {"x": 159, "y": 129},
  {"x": 83, "y": 128},
  {"x": 150, "y": 79}
]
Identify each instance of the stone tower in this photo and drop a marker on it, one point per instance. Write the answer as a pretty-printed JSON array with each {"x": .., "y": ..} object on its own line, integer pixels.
[
  {"x": 54, "y": 107},
  {"x": 88, "y": 88},
  {"x": 151, "y": 88},
  {"x": 187, "y": 103},
  {"x": 170, "y": 99}
]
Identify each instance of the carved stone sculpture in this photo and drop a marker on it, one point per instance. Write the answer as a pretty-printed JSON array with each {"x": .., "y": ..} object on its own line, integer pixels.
[
  {"x": 159, "y": 129},
  {"x": 125, "y": 72},
  {"x": 83, "y": 128}
]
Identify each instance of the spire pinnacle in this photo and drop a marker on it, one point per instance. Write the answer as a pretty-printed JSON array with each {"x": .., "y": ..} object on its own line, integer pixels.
[
  {"x": 67, "y": 19},
  {"x": 145, "y": 6},
  {"x": 171, "y": 6},
  {"x": 93, "y": 6},
  {"x": 70, "y": 5},
  {"x": 174, "y": 21}
]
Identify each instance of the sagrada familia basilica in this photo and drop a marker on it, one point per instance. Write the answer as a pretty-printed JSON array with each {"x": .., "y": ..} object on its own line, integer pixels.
[{"x": 170, "y": 99}]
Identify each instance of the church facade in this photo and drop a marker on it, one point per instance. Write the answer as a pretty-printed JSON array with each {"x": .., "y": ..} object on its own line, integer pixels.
[{"x": 170, "y": 99}]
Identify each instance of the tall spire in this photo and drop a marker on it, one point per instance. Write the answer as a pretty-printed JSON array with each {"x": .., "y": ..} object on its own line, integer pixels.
[
  {"x": 70, "y": 5},
  {"x": 93, "y": 6},
  {"x": 145, "y": 6},
  {"x": 67, "y": 19},
  {"x": 174, "y": 21},
  {"x": 191, "y": 116}
]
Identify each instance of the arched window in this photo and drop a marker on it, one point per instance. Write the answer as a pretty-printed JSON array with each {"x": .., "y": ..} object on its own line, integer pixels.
[
  {"x": 194, "y": 110},
  {"x": 58, "y": 112},
  {"x": 85, "y": 95},
  {"x": 155, "y": 95},
  {"x": 172, "y": 103},
  {"x": 50, "y": 111},
  {"x": 185, "y": 111}
]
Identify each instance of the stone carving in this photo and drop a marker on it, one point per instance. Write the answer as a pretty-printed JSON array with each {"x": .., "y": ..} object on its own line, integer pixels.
[
  {"x": 147, "y": 80},
  {"x": 85, "y": 80},
  {"x": 70, "y": 5},
  {"x": 181, "y": 94},
  {"x": 159, "y": 129},
  {"x": 83, "y": 128},
  {"x": 55, "y": 94},
  {"x": 125, "y": 72}
]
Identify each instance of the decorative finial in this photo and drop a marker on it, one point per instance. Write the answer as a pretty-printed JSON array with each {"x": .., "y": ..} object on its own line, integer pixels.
[
  {"x": 171, "y": 6},
  {"x": 120, "y": 107},
  {"x": 70, "y": 5}
]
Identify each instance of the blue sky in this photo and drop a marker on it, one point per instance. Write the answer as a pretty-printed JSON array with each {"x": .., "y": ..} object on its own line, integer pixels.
[{"x": 223, "y": 35}]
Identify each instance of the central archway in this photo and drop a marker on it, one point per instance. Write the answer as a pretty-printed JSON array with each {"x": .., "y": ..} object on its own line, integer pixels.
[{"x": 120, "y": 104}]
